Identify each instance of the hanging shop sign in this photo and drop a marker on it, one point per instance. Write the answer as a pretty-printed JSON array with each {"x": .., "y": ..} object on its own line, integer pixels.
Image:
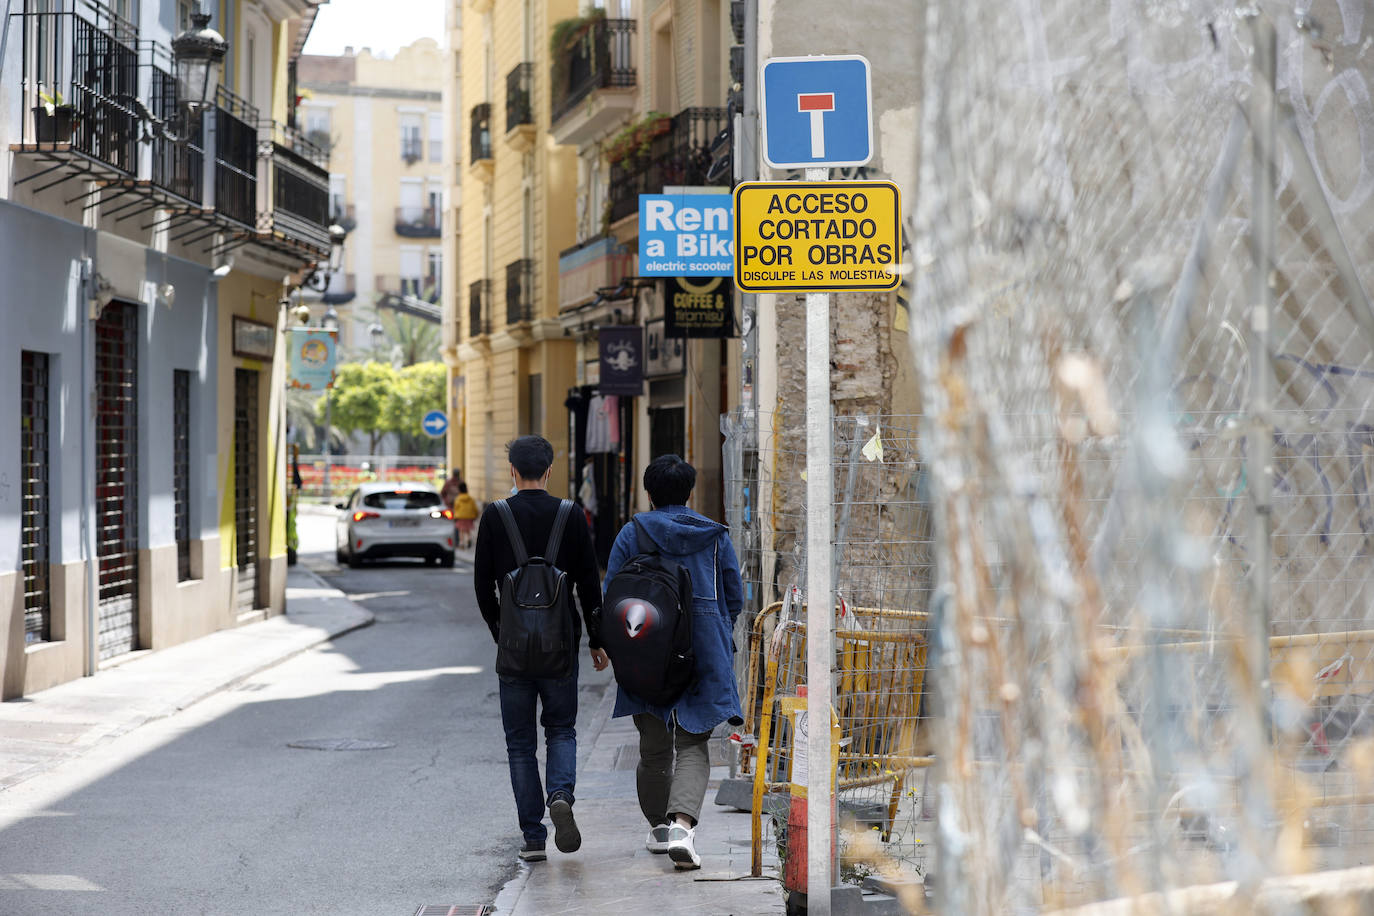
[
  {"x": 621, "y": 348},
  {"x": 666, "y": 356},
  {"x": 699, "y": 307},
  {"x": 313, "y": 352},
  {"x": 685, "y": 234},
  {"x": 817, "y": 236}
]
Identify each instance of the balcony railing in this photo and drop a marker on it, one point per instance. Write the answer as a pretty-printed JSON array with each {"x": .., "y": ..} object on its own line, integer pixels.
[
  {"x": 481, "y": 132},
  {"x": 423, "y": 288},
  {"x": 679, "y": 156},
  {"x": 520, "y": 291},
  {"x": 177, "y": 168},
  {"x": 418, "y": 222},
  {"x": 479, "y": 308},
  {"x": 297, "y": 209},
  {"x": 601, "y": 56},
  {"x": 84, "y": 61},
  {"x": 412, "y": 148},
  {"x": 236, "y": 159},
  {"x": 520, "y": 96}
]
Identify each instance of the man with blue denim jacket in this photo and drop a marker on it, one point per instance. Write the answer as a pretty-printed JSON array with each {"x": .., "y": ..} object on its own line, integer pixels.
[{"x": 674, "y": 758}]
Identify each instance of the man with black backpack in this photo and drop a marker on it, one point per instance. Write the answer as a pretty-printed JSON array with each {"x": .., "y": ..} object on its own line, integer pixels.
[
  {"x": 533, "y": 551},
  {"x": 666, "y": 556}
]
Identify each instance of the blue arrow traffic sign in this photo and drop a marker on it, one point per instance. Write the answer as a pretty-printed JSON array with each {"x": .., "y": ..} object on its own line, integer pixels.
[
  {"x": 435, "y": 423},
  {"x": 817, "y": 111}
]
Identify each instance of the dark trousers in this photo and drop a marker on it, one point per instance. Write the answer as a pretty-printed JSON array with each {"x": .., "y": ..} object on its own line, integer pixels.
[
  {"x": 674, "y": 767},
  {"x": 519, "y": 698}
]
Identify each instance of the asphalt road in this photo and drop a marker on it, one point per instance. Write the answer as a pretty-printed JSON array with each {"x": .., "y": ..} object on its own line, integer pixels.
[{"x": 211, "y": 811}]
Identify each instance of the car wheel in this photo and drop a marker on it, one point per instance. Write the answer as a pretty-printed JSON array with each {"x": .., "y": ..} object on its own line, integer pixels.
[
  {"x": 446, "y": 560},
  {"x": 354, "y": 561},
  {"x": 338, "y": 555}
]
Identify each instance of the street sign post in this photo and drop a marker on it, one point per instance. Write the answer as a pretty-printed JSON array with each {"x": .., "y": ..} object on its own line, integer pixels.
[
  {"x": 804, "y": 236},
  {"x": 816, "y": 111},
  {"x": 435, "y": 424}
]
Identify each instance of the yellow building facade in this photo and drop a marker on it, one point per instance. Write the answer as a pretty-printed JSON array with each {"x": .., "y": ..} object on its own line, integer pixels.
[
  {"x": 511, "y": 363},
  {"x": 381, "y": 119}
]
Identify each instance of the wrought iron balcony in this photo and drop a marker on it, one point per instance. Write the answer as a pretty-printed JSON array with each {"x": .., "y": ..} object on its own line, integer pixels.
[
  {"x": 293, "y": 208},
  {"x": 520, "y": 291},
  {"x": 83, "y": 65},
  {"x": 598, "y": 55},
  {"x": 480, "y": 132},
  {"x": 412, "y": 148},
  {"x": 680, "y": 155},
  {"x": 520, "y": 96},
  {"x": 177, "y": 168},
  {"x": 479, "y": 308},
  {"x": 236, "y": 159},
  {"x": 418, "y": 222},
  {"x": 422, "y": 288}
]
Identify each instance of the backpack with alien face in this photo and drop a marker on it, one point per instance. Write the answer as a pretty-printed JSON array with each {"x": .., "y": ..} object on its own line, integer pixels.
[{"x": 646, "y": 625}]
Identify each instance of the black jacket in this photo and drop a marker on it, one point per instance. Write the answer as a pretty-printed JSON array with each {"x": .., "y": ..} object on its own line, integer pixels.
[{"x": 535, "y": 511}]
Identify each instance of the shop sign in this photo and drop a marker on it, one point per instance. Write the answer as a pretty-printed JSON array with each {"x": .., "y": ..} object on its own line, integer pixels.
[
  {"x": 699, "y": 308},
  {"x": 313, "y": 352},
  {"x": 621, "y": 348},
  {"x": 685, "y": 234},
  {"x": 667, "y": 356},
  {"x": 817, "y": 236}
]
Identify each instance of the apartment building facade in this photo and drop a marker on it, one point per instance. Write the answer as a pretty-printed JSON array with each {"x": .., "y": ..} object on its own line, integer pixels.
[
  {"x": 382, "y": 121},
  {"x": 142, "y": 481},
  {"x": 511, "y": 363}
]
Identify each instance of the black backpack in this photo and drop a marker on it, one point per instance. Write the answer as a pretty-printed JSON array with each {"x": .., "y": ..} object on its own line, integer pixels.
[
  {"x": 537, "y": 637},
  {"x": 646, "y": 625}
]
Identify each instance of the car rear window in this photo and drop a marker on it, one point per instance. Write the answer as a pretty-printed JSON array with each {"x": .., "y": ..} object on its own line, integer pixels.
[{"x": 402, "y": 499}]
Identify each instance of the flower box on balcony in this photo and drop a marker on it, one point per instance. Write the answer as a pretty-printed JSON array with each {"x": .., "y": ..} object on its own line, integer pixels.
[{"x": 54, "y": 126}]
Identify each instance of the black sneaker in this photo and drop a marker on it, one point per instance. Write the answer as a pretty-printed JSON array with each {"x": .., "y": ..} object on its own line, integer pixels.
[
  {"x": 531, "y": 853},
  {"x": 565, "y": 834}
]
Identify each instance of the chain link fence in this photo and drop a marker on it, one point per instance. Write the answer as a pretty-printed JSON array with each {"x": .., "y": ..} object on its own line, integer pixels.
[
  {"x": 1143, "y": 252},
  {"x": 1127, "y": 544}
]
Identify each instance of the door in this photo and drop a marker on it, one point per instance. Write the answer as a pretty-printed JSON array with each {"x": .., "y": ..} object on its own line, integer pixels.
[
  {"x": 246, "y": 487},
  {"x": 116, "y": 482}
]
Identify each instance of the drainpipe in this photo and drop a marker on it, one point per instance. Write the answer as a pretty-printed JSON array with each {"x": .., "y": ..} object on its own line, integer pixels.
[{"x": 86, "y": 291}]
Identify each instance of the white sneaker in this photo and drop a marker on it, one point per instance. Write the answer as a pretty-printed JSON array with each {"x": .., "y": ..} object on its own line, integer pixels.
[
  {"x": 657, "y": 841},
  {"x": 680, "y": 848}
]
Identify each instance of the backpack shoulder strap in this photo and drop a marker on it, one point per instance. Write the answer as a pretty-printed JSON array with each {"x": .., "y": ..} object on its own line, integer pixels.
[
  {"x": 556, "y": 536},
  {"x": 517, "y": 543},
  {"x": 644, "y": 543}
]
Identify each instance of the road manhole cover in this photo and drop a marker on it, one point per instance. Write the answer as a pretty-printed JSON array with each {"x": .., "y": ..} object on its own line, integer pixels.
[
  {"x": 447, "y": 909},
  {"x": 341, "y": 744}
]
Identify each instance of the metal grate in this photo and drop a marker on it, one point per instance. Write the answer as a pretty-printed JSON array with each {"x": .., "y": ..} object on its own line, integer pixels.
[
  {"x": 116, "y": 482},
  {"x": 34, "y": 519},
  {"x": 181, "y": 468},
  {"x": 246, "y": 485}
]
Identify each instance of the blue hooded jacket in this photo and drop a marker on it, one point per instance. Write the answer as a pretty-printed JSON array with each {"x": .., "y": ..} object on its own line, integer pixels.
[{"x": 703, "y": 547}]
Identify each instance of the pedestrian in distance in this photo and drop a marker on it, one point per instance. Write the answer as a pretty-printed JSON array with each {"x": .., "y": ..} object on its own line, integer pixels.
[
  {"x": 674, "y": 758},
  {"x": 512, "y": 534},
  {"x": 449, "y": 491},
  {"x": 464, "y": 516}
]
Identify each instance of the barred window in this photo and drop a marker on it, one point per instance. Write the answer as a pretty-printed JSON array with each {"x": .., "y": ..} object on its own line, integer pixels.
[
  {"x": 181, "y": 468},
  {"x": 34, "y": 516}
]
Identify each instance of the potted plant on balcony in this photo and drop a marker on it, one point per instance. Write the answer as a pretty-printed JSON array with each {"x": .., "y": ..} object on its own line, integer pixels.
[
  {"x": 633, "y": 141},
  {"x": 54, "y": 119}
]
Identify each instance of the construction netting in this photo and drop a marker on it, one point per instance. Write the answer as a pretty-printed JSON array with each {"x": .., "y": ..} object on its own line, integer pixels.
[
  {"x": 1128, "y": 541},
  {"x": 1143, "y": 256}
]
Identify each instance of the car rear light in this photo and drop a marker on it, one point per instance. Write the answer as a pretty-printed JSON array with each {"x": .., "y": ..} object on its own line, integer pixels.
[
  {"x": 360, "y": 542},
  {"x": 402, "y": 492},
  {"x": 441, "y": 513},
  {"x": 450, "y": 542},
  {"x": 359, "y": 516}
]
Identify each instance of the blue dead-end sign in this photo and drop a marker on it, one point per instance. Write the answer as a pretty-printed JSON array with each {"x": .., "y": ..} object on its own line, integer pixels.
[
  {"x": 435, "y": 423},
  {"x": 817, "y": 111}
]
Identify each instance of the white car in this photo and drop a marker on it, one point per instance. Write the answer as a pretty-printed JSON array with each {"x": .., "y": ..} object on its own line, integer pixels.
[{"x": 394, "y": 519}]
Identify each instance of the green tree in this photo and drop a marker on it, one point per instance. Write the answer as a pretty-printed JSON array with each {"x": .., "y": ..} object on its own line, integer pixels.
[
  {"x": 362, "y": 400},
  {"x": 418, "y": 390}
]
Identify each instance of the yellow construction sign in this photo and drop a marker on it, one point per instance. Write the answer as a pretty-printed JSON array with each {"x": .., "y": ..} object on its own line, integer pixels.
[{"x": 817, "y": 236}]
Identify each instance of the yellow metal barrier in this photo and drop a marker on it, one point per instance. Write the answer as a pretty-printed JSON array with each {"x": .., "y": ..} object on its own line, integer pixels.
[{"x": 879, "y": 683}]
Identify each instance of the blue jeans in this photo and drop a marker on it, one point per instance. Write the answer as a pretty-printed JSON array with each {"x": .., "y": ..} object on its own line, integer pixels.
[{"x": 559, "y": 718}]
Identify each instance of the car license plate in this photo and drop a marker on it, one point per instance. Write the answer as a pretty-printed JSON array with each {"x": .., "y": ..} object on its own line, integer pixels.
[{"x": 405, "y": 523}]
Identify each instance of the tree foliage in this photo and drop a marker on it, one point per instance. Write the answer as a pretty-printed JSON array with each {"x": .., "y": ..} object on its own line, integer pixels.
[{"x": 374, "y": 399}]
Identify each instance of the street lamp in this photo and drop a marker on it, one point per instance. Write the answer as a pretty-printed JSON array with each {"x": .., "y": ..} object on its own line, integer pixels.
[
  {"x": 320, "y": 276},
  {"x": 330, "y": 322},
  {"x": 197, "y": 56}
]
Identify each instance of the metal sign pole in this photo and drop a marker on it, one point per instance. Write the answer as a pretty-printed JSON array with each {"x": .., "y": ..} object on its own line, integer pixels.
[{"x": 820, "y": 653}]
